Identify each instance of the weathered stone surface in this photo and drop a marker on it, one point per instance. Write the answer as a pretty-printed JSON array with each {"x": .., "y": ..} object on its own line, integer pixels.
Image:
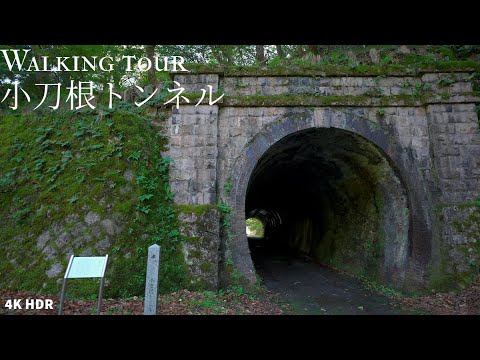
[
  {"x": 193, "y": 154},
  {"x": 111, "y": 227},
  {"x": 49, "y": 252},
  {"x": 103, "y": 245},
  {"x": 152, "y": 281},
  {"x": 43, "y": 239},
  {"x": 129, "y": 175},
  {"x": 91, "y": 218},
  {"x": 77, "y": 230},
  {"x": 87, "y": 252},
  {"x": 125, "y": 189},
  {"x": 81, "y": 241},
  {"x": 96, "y": 230},
  {"x": 200, "y": 248},
  {"x": 195, "y": 83},
  {"x": 68, "y": 254},
  {"x": 404, "y": 50},
  {"x": 333, "y": 86},
  {"x": 62, "y": 240},
  {"x": 374, "y": 56},
  {"x": 55, "y": 270},
  {"x": 435, "y": 146}
]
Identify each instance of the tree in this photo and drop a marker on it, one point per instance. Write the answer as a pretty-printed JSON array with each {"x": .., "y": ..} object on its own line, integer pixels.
[
  {"x": 224, "y": 54},
  {"x": 37, "y": 53},
  {"x": 314, "y": 49},
  {"x": 152, "y": 77},
  {"x": 280, "y": 52},
  {"x": 260, "y": 54},
  {"x": 300, "y": 51}
]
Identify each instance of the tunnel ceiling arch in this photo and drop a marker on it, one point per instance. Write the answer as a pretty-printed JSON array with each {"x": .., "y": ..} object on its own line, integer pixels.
[{"x": 333, "y": 195}]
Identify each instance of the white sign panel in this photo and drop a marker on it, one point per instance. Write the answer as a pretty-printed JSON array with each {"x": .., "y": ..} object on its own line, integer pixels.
[{"x": 86, "y": 267}]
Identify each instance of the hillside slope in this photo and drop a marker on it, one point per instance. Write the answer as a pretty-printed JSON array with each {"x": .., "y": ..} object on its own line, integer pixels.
[{"x": 85, "y": 184}]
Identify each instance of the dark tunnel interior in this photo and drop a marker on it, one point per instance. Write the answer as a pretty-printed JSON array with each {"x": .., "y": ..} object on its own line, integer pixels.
[{"x": 332, "y": 196}]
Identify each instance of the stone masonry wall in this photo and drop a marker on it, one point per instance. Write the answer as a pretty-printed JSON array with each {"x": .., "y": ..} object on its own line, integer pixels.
[
  {"x": 455, "y": 137},
  {"x": 193, "y": 146},
  {"x": 200, "y": 228},
  {"x": 344, "y": 86},
  {"x": 436, "y": 142}
]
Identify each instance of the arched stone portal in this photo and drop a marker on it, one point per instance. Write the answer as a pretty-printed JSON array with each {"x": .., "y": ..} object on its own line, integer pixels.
[
  {"x": 340, "y": 192},
  {"x": 382, "y": 177},
  {"x": 336, "y": 199}
]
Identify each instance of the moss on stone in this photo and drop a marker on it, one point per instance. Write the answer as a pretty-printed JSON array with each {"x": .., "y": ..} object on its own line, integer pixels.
[
  {"x": 55, "y": 164},
  {"x": 448, "y": 275},
  {"x": 234, "y": 278},
  {"x": 329, "y": 100},
  {"x": 198, "y": 210},
  {"x": 371, "y": 99},
  {"x": 194, "y": 254},
  {"x": 197, "y": 68},
  {"x": 206, "y": 267},
  {"x": 319, "y": 69},
  {"x": 194, "y": 240}
]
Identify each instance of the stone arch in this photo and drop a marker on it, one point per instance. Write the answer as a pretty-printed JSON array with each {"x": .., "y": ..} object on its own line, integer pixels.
[{"x": 416, "y": 248}]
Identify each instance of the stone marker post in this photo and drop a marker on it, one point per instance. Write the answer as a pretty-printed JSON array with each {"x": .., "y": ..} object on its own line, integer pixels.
[{"x": 151, "y": 284}]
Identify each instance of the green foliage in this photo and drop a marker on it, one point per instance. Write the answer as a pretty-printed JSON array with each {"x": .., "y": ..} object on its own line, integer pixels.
[
  {"x": 350, "y": 57},
  {"x": 7, "y": 181},
  {"x": 465, "y": 51},
  {"x": 198, "y": 210},
  {"x": 21, "y": 214},
  {"x": 445, "y": 81},
  {"x": 406, "y": 84},
  {"x": 144, "y": 209},
  {"x": 386, "y": 59},
  {"x": 420, "y": 88},
  {"x": 58, "y": 163},
  {"x": 337, "y": 57},
  {"x": 376, "y": 91},
  {"x": 73, "y": 199},
  {"x": 225, "y": 212},
  {"x": 135, "y": 155},
  {"x": 419, "y": 59},
  {"x": 54, "y": 165},
  {"x": 380, "y": 288},
  {"x": 210, "y": 301},
  {"x": 255, "y": 226},
  {"x": 237, "y": 290},
  {"x": 238, "y": 285},
  {"x": 145, "y": 197},
  {"x": 275, "y": 62},
  {"x": 227, "y": 188}
]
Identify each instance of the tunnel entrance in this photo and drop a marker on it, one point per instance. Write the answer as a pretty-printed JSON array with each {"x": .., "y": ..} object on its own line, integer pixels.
[{"x": 332, "y": 196}]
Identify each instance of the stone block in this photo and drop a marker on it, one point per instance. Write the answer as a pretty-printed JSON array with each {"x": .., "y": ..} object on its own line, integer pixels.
[
  {"x": 466, "y": 128},
  {"x": 54, "y": 270}
]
